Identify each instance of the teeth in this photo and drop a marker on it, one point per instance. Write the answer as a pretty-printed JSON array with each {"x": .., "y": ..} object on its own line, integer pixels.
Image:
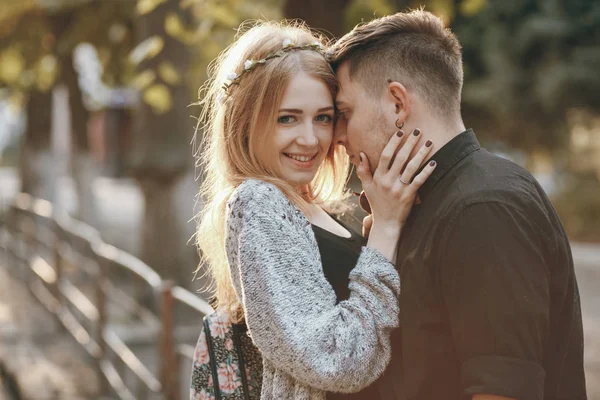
[{"x": 300, "y": 158}]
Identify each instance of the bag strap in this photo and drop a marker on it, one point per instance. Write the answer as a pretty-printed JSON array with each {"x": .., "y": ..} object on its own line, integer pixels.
[
  {"x": 212, "y": 363},
  {"x": 238, "y": 349}
]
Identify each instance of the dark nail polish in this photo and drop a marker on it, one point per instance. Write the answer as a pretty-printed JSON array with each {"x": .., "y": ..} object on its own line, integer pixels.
[
  {"x": 416, "y": 132},
  {"x": 400, "y": 133},
  {"x": 360, "y": 157},
  {"x": 432, "y": 164},
  {"x": 428, "y": 143}
]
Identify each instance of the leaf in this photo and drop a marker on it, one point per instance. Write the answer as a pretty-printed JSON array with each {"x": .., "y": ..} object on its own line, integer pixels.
[
  {"x": 470, "y": 8},
  {"x": 445, "y": 9},
  {"x": 117, "y": 32},
  {"x": 147, "y": 49},
  {"x": 147, "y": 6},
  {"x": 223, "y": 15},
  {"x": 158, "y": 97},
  {"x": 143, "y": 79},
  {"x": 173, "y": 25},
  {"x": 168, "y": 73},
  {"x": 11, "y": 65},
  {"x": 46, "y": 72}
]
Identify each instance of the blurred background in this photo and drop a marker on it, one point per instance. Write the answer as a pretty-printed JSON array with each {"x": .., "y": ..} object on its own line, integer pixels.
[{"x": 95, "y": 112}]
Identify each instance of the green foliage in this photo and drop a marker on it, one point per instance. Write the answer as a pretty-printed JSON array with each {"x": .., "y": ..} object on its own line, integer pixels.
[
  {"x": 36, "y": 35},
  {"x": 527, "y": 63},
  {"x": 579, "y": 208}
]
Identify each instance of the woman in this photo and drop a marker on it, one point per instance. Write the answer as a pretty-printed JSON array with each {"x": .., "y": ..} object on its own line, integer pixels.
[{"x": 318, "y": 305}]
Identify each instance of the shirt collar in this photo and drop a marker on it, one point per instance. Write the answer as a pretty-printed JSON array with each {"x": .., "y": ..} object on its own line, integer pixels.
[{"x": 448, "y": 156}]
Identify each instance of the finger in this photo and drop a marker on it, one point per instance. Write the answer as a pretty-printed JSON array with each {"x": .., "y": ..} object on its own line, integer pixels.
[
  {"x": 415, "y": 163},
  {"x": 367, "y": 225},
  {"x": 363, "y": 201},
  {"x": 423, "y": 175},
  {"x": 387, "y": 155},
  {"x": 403, "y": 154},
  {"x": 363, "y": 171}
]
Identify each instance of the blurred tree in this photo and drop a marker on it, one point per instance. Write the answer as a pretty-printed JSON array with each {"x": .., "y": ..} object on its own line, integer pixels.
[
  {"x": 527, "y": 63},
  {"x": 35, "y": 146},
  {"x": 37, "y": 40},
  {"x": 161, "y": 154},
  {"x": 326, "y": 16}
]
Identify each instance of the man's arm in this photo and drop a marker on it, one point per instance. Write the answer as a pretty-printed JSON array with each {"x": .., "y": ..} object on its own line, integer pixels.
[{"x": 495, "y": 288}]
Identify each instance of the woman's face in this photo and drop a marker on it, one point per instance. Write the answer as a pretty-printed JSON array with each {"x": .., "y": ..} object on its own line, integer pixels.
[{"x": 304, "y": 129}]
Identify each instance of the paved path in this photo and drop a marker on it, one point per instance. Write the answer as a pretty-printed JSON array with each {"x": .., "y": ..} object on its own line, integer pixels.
[
  {"x": 587, "y": 261},
  {"x": 47, "y": 364}
]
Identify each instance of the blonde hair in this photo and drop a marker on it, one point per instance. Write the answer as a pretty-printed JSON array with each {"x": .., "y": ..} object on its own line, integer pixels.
[{"x": 236, "y": 129}]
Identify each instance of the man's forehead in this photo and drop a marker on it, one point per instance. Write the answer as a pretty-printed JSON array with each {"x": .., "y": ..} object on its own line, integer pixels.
[{"x": 343, "y": 77}]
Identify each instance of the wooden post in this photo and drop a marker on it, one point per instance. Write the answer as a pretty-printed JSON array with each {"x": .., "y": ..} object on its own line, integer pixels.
[
  {"x": 57, "y": 261},
  {"x": 101, "y": 288},
  {"x": 169, "y": 368}
]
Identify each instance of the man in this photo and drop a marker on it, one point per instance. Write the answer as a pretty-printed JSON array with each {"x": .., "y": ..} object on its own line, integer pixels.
[{"x": 489, "y": 305}]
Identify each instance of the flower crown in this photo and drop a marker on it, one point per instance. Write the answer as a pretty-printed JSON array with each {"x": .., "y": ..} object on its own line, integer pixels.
[{"x": 233, "y": 78}]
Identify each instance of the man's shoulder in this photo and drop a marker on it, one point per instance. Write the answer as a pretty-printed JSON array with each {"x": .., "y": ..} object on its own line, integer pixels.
[{"x": 487, "y": 177}]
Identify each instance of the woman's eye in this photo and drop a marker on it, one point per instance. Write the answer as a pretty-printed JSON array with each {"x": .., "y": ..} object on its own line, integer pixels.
[
  {"x": 286, "y": 119},
  {"x": 324, "y": 118}
]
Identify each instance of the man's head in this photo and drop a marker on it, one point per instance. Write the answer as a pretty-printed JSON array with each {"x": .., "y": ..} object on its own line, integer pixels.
[{"x": 405, "y": 67}]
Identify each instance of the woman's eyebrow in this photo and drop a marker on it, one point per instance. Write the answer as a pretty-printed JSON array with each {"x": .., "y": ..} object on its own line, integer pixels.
[{"x": 298, "y": 111}]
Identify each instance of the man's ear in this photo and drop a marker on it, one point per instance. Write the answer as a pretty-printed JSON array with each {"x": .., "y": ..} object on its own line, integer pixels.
[{"x": 398, "y": 95}]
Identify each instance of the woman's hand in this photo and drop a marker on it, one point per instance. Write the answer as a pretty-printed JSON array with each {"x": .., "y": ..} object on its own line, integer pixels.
[
  {"x": 367, "y": 225},
  {"x": 392, "y": 189}
]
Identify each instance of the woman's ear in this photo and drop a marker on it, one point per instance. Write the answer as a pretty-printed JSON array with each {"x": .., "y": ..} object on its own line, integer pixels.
[{"x": 399, "y": 97}]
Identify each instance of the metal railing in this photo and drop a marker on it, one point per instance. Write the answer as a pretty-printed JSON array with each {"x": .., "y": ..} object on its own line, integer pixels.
[{"x": 89, "y": 286}]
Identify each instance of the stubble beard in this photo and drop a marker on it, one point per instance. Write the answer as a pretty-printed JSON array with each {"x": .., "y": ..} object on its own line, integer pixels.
[{"x": 380, "y": 134}]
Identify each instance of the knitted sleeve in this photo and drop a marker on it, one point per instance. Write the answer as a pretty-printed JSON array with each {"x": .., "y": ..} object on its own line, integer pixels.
[{"x": 290, "y": 308}]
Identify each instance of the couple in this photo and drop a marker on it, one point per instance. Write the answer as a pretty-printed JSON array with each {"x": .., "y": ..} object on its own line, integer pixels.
[{"x": 464, "y": 287}]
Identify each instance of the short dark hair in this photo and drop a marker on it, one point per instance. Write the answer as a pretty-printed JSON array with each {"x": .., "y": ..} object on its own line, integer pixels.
[{"x": 413, "y": 48}]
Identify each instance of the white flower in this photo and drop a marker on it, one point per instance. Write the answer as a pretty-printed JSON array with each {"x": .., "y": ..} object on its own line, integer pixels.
[
  {"x": 249, "y": 64},
  {"x": 231, "y": 76},
  {"x": 221, "y": 96},
  {"x": 318, "y": 44},
  {"x": 288, "y": 43}
]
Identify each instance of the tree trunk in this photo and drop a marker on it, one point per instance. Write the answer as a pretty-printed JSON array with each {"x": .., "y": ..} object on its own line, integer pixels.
[
  {"x": 37, "y": 164},
  {"x": 161, "y": 157},
  {"x": 326, "y": 16},
  {"x": 84, "y": 169}
]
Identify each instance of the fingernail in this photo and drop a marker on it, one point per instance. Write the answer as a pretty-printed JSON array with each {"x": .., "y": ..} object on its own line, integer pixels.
[
  {"x": 360, "y": 157},
  {"x": 428, "y": 143},
  {"x": 416, "y": 132},
  {"x": 432, "y": 164},
  {"x": 399, "y": 133}
]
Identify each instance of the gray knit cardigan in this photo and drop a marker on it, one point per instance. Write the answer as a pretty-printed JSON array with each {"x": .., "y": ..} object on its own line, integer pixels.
[{"x": 309, "y": 344}]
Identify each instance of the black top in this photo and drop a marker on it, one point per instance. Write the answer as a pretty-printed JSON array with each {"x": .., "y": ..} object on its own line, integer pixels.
[
  {"x": 339, "y": 256},
  {"x": 489, "y": 298}
]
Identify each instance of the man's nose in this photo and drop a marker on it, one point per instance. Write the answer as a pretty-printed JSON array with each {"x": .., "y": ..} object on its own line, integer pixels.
[{"x": 339, "y": 133}]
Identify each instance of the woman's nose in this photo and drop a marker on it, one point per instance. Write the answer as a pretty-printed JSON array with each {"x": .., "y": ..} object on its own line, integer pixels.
[{"x": 309, "y": 135}]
